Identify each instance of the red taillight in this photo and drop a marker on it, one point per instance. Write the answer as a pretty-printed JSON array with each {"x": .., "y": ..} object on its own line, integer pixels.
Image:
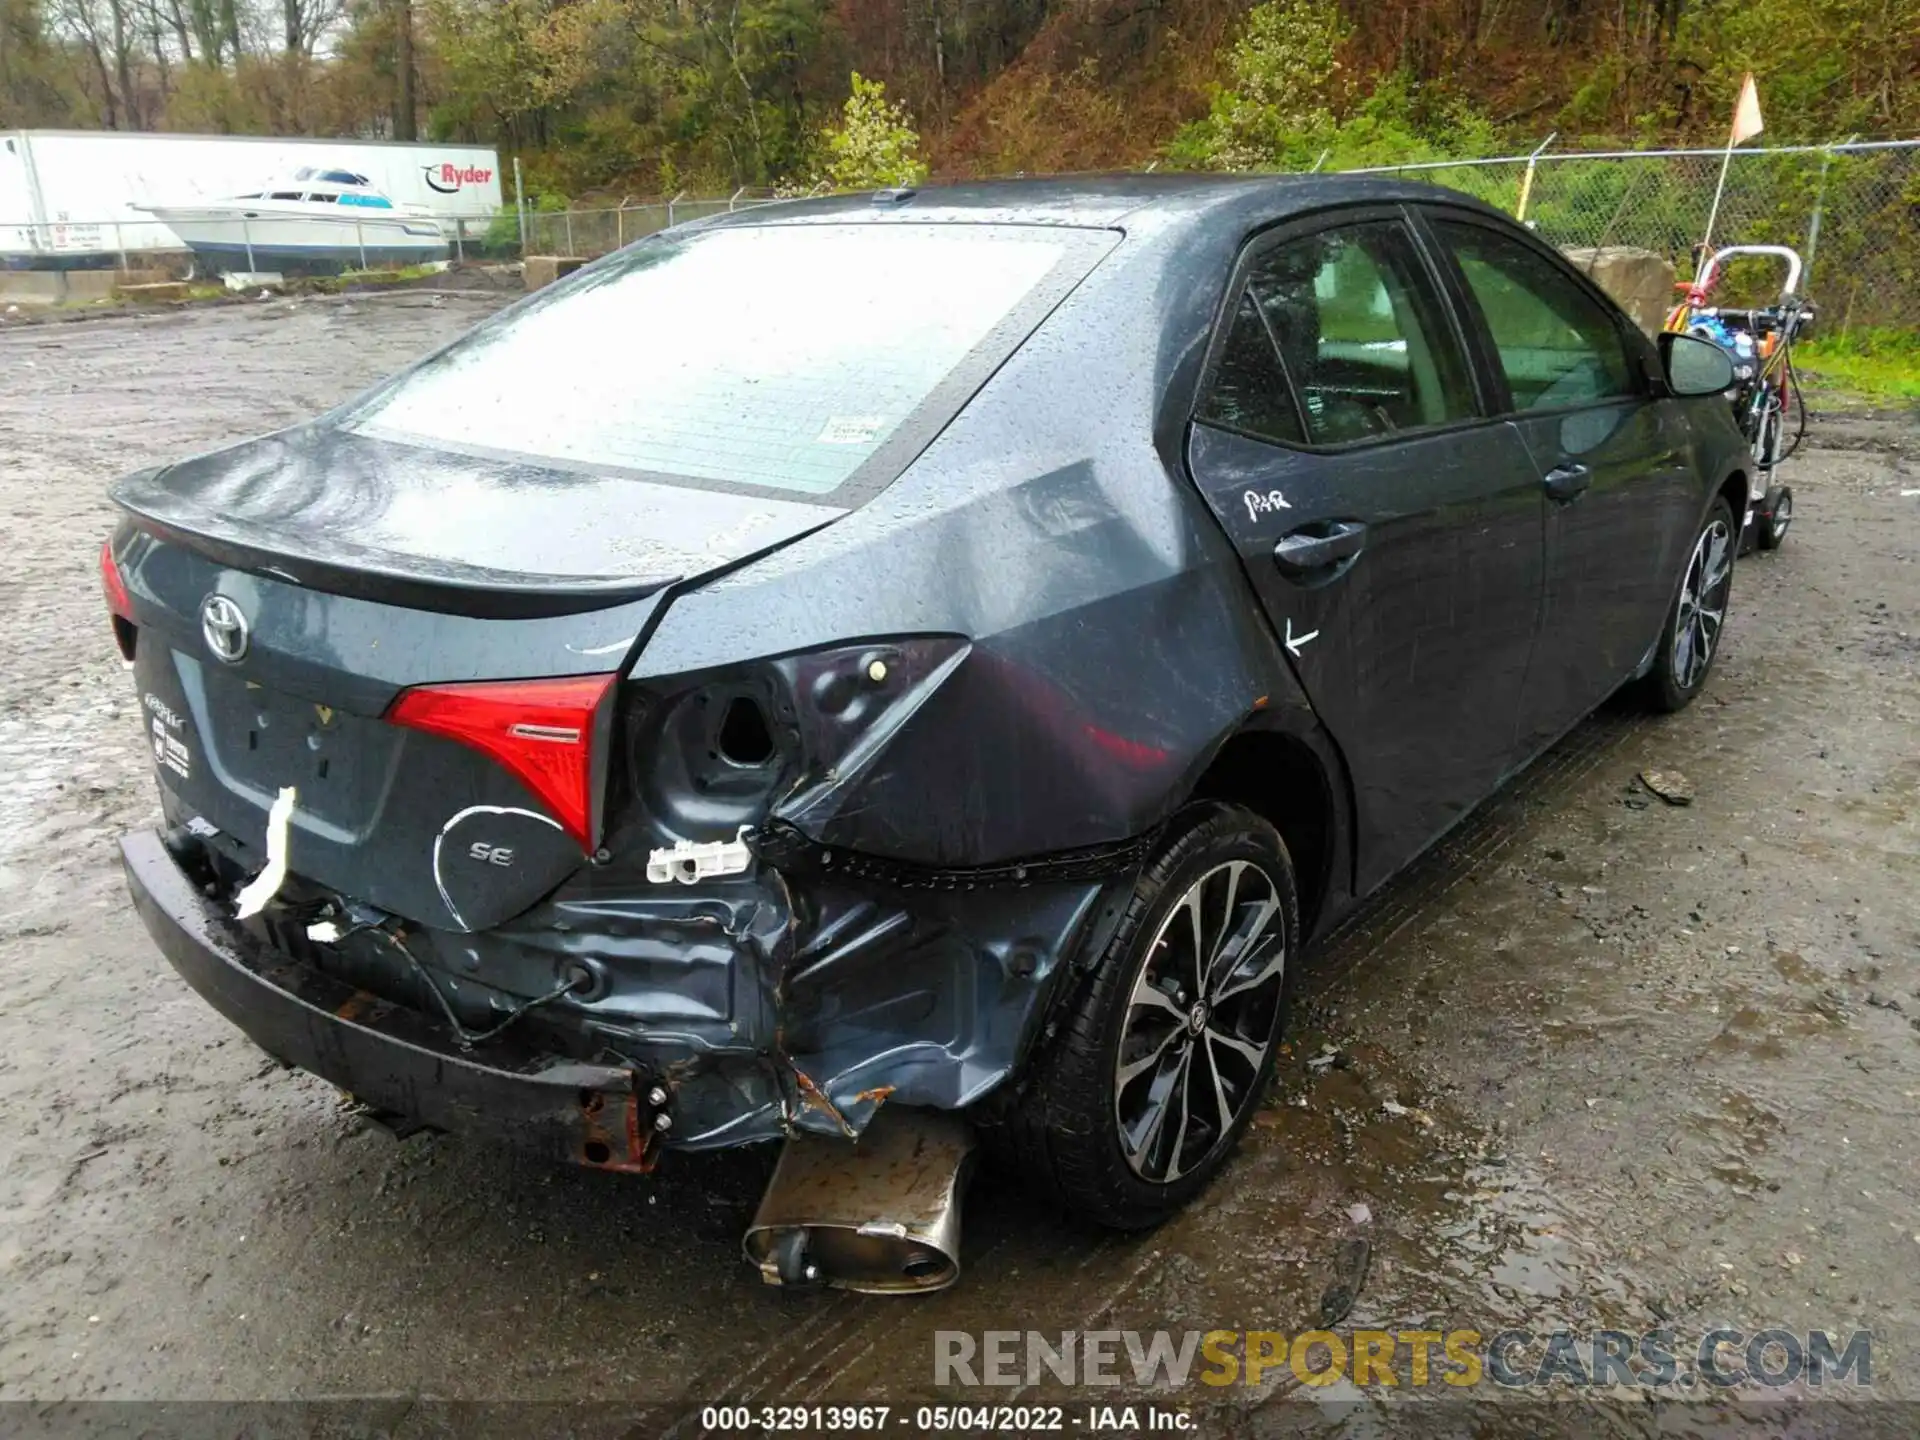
[
  {"x": 541, "y": 730},
  {"x": 118, "y": 601}
]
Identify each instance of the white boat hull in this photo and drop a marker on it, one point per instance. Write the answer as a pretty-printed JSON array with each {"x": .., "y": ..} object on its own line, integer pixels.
[{"x": 260, "y": 238}]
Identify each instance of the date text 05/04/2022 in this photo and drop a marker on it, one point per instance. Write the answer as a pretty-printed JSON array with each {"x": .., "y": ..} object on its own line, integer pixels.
[{"x": 956, "y": 1419}]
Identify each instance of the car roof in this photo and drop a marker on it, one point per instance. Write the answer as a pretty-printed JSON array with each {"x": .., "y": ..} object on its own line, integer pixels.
[{"x": 1098, "y": 200}]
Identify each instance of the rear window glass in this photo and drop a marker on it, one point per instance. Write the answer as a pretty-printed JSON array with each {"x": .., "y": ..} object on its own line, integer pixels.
[{"x": 779, "y": 357}]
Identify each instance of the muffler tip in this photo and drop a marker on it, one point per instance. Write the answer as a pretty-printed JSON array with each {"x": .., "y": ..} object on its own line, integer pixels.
[{"x": 881, "y": 1216}]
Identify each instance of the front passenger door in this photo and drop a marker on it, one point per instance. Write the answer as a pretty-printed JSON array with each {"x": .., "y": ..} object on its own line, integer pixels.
[{"x": 1391, "y": 532}]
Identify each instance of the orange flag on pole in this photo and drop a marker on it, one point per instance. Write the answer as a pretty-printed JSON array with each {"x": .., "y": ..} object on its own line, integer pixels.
[
  {"x": 1746, "y": 113},
  {"x": 1746, "y": 125}
]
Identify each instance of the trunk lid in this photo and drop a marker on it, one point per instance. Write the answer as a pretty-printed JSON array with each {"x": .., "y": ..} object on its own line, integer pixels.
[
  {"x": 434, "y": 529},
  {"x": 412, "y": 822},
  {"x": 355, "y": 570}
]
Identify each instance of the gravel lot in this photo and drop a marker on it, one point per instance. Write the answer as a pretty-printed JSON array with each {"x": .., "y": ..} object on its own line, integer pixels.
[{"x": 1600, "y": 1061}]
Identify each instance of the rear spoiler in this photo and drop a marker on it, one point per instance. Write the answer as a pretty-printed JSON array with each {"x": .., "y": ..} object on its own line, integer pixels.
[{"x": 366, "y": 573}]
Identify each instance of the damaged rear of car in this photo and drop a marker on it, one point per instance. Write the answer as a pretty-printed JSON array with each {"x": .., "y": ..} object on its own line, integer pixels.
[{"x": 750, "y": 691}]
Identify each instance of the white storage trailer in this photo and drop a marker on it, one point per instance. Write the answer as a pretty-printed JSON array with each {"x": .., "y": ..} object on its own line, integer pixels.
[{"x": 66, "y": 196}]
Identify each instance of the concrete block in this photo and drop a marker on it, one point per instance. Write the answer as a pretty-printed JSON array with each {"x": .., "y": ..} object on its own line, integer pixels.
[
  {"x": 32, "y": 287},
  {"x": 84, "y": 286},
  {"x": 240, "y": 281},
  {"x": 543, "y": 270},
  {"x": 1640, "y": 281}
]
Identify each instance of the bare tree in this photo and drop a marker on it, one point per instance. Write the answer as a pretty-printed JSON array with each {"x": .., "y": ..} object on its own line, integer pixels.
[
  {"x": 168, "y": 12},
  {"x": 102, "y": 32},
  {"x": 303, "y": 22},
  {"x": 204, "y": 20},
  {"x": 405, "y": 121}
]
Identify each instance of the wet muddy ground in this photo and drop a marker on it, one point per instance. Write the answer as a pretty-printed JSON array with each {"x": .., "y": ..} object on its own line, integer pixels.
[{"x": 1601, "y": 1061}]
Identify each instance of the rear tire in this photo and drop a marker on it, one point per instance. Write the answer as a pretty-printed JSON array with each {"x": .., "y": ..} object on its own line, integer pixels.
[
  {"x": 1159, "y": 1063},
  {"x": 1690, "y": 637},
  {"x": 1776, "y": 514}
]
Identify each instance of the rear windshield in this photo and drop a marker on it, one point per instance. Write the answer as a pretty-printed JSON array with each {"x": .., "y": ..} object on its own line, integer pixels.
[{"x": 795, "y": 358}]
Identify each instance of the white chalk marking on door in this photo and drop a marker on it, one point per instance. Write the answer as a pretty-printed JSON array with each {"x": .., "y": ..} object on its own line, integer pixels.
[
  {"x": 1294, "y": 642},
  {"x": 1259, "y": 504}
]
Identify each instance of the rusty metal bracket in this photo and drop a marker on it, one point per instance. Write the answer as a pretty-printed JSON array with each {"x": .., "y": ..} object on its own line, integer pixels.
[{"x": 623, "y": 1131}]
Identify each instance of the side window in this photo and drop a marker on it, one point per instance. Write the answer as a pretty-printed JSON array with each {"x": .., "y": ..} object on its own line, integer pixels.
[
  {"x": 1557, "y": 345},
  {"x": 1361, "y": 333},
  {"x": 1249, "y": 391}
]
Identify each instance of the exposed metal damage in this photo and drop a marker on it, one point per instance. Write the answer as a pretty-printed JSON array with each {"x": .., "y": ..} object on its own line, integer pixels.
[
  {"x": 761, "y": 1005},
  {"x": 791, "y": 1003}
]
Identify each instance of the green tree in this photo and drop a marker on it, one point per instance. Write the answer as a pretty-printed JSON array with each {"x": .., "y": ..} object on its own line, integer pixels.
[
  {"x": 1289, "y": 104},
  {"x": 32, "y": 88},
  {"x": 1283, "y": 85},
  {"x": 662, "y": 93},
  {"x": 1826, "y": 68},
  {"x": 875, "y": 144}
]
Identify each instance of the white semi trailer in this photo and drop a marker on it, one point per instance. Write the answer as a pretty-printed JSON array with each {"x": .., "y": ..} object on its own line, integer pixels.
[{"x": 67, "y": 196}]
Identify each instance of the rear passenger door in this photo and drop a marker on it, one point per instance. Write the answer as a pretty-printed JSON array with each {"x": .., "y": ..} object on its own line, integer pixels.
[
  {"x": 1391, "y": 531},
  {"x": 1611, "y": 461}
]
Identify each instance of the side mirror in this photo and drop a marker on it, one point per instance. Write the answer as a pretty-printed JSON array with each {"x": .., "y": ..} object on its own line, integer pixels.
[{"x": 1695, "y": 366}]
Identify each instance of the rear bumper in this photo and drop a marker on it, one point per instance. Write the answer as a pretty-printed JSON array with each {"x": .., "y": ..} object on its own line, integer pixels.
[
  {"x": 749, "y": 1022},
  {"x": 386, "y": 1055}
]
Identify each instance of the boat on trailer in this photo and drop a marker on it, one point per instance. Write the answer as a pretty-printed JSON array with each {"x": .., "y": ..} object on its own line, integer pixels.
[{"x": 314, "y": 220}]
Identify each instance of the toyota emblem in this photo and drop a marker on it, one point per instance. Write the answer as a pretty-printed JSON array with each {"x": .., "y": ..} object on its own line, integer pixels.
[{"x": 224, "y": 627}]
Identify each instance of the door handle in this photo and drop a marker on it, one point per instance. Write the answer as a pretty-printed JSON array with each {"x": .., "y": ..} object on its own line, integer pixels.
[
  {"x": 1567, "y": 482},
  {"x": 1315, "y": 547}
]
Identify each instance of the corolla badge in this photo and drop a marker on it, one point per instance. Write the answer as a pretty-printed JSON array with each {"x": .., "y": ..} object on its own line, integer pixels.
[{"x": 224, "y": 627}]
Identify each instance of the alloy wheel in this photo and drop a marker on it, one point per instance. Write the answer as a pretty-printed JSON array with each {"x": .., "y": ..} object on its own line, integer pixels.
[
  {"x": 1703, "y": 604},
  {"x": 1200, "y": 1021}
]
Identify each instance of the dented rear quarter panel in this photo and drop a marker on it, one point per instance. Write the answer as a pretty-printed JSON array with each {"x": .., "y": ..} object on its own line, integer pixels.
[{"x": 1112, "y": 642}]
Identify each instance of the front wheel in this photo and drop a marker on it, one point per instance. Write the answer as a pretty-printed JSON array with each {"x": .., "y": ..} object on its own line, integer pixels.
[
  {"x": 1163, "y": 1056},
  {"x": 1695, "y": 620}
]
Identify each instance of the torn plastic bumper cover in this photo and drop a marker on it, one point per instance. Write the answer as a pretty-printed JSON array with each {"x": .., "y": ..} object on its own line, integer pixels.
[
  {"x": 386, "y": 1054},
  {"x": 799, "y": 996}
]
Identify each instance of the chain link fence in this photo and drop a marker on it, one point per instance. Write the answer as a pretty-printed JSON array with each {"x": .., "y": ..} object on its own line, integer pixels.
[
  {"x": 591, "y": 233},
  {"x": 1851, "y": 210},
  {"x": 267, "y": 240}
]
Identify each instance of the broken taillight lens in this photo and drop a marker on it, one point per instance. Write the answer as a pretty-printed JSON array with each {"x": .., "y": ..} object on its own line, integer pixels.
[
  {"x": 540, "y": 730},
  {"x": 119, "y": 602}
]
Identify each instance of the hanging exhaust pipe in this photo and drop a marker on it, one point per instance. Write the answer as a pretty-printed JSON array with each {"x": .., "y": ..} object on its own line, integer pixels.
[{"x": 881, "y": 1216}]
